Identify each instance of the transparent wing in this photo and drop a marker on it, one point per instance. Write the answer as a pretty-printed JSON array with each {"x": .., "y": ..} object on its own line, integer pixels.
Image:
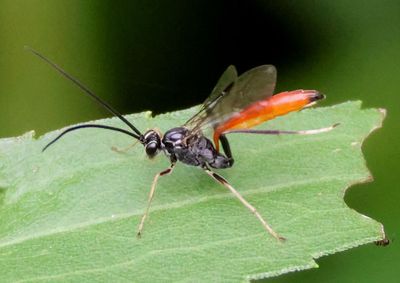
[
  {"x": 225, "y": 81},
  {"x": 231, "y": 96}
]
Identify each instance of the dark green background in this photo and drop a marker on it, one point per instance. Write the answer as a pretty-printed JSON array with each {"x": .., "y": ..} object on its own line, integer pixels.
[{"x": 167, "y": 55}]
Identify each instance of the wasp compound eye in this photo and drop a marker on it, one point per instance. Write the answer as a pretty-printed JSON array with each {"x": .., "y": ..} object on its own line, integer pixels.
[{"x": 151, "y": 149}]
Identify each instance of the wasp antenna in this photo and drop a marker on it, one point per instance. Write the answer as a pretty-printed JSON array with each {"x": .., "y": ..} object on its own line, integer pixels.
[
  {"x": 84, "y": 89},
  {"x": 92, "y": 126}
]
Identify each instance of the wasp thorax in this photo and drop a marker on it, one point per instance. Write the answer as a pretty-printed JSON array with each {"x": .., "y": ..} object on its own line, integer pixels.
[{"x": 152, "y": 143}]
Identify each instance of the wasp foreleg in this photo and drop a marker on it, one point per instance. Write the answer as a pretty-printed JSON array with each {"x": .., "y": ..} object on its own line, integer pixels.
[{"x": 151, "y": 194}]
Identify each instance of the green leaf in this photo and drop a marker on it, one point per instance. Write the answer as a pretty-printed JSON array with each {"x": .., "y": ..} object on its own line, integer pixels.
[{"x": 71, "y": 213}]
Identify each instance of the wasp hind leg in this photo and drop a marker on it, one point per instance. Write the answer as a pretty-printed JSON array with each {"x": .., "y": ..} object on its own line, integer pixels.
[
  {"x": 227, "y": 149},
  {"x": 151, "y": 195},
  {"x": 280, "y": 132},
  {"x": 253, "y": 210}
]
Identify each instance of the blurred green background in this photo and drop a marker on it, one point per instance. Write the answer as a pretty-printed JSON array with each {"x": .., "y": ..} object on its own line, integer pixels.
[{"x": 167, "y": 55}]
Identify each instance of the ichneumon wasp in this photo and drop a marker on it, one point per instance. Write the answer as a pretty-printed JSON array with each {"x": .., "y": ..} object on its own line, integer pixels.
[{"x": 236, "y": 104}]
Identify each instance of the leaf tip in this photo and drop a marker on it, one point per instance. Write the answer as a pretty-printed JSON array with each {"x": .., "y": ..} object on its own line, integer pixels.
[
  {"x": 148, "y": 114},
  {"x": 383, "y": 112}
]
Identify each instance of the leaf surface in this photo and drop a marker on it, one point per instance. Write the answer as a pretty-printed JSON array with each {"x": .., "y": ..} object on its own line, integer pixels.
[{"x": 71, "y": 213}]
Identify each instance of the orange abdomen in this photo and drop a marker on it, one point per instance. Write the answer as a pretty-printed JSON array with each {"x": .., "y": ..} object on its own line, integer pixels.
[{"x": 267, "y": 109}]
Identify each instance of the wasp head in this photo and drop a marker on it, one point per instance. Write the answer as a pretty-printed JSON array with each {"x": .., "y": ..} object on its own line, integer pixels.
[{"x": 152, "y": 143}]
